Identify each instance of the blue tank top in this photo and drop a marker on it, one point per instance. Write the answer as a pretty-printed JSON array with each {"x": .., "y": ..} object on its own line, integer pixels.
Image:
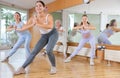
[
  {"x": 108, "y": 31},
  {"x": 20, "y": 25}
]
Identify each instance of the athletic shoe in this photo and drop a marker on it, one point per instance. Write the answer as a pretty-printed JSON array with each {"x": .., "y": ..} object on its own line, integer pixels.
[
  {"x": 67, "y": 60},
  {"x": 53, "y": 70},
  {"x": 21, "y": 70},
  {"x": 5, "y": 60},
  {"x": 91, "y": 62}
]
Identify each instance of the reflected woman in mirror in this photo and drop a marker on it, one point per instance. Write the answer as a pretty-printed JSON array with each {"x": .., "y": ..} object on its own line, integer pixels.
[
  {"x": 61, "y": 32},
  {"x": 103, "y": 37},
  {"x": 85, "y": 29},
  {"x": 72, "y": 33}
]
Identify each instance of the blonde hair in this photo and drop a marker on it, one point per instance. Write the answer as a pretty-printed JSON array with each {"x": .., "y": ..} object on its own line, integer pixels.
[{"x": 57, "y": 21}]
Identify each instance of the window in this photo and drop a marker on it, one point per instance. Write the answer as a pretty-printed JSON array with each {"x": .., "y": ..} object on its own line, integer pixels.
[{"x": 8, "y": 39}]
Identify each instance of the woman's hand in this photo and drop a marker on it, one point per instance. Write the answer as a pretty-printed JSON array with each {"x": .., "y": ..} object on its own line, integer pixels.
[
  {"x": 90, "y": 27},
  {"x": 18, "y": 29},
  {"x": 15, "y": 27},
  {"x": 41, "y": 22},
  {"x": 86, "y": 27}
]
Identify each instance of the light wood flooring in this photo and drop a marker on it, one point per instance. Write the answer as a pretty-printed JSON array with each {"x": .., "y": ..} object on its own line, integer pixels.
[{"x": 78, "y": 68}]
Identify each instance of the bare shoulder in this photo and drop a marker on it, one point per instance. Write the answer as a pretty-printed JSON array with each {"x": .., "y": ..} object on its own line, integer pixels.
[{"x": 49, "y": 15}]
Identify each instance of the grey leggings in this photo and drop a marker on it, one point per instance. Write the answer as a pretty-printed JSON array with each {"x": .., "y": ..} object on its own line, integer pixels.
[{"x": 50, "y": 39}]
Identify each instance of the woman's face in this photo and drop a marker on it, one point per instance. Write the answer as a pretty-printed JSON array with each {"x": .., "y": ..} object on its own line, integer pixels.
[
  {"x": 84, "y": 19},
  {"x": 16, "y": 16},
  {"x": 58, "y": 24},
  {"x": 39, "y": 7},
  {"x": 115, "y": 23}
]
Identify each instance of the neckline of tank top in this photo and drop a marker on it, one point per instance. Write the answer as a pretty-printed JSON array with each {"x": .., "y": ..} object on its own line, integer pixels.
[
  {"x": 18, "y": 23},
  {"x": 46, "y": 19}
]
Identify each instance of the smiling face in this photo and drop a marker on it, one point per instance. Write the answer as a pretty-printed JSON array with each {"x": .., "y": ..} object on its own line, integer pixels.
[
  {"x": 115, "y": 23},
  {"x": 17, "y": 17},
  {"x": 84, "y": 19},
  {"x": 58, "y": 23},
  {"x": 40, "y": 7}
]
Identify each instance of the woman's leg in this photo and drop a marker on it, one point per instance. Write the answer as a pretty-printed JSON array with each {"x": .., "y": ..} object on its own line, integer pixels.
[
  {"x": 64, "y": 49},
  {"x": 92, "y": 51},
  {"x": 103, "y": 39},
  {"x": 27, "y": 45},
  {"x": 81, "y": 44},
  {"x": 93, "y": 47},
  {"x": 16, "y": 46},
  {"x": 49, "y": 49},
  {"x": 106, "y": 41},
  {"x": 19, "y": 42},
  {"x": 39, "y": 46}
]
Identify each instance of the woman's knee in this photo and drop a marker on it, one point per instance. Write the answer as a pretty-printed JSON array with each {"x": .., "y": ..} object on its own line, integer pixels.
[{"x": 49, "y": 52}]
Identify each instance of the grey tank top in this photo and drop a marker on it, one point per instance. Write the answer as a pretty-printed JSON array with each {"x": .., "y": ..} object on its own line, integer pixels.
[{"x": 108, "y": 31}]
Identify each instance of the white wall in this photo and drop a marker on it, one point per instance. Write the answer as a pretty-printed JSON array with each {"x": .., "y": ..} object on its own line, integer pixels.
[
  {"x": 98, "y": 6},
  {"x": 103, "y": 7}
]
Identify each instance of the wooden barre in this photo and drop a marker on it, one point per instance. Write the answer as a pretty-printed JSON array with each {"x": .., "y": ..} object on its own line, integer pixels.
[
  {"x": 111, "y": 47},
  {"x": 59, "y": 43}
]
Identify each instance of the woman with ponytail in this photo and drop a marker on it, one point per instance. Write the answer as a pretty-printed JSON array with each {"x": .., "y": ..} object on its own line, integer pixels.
[{"x": 84, "y": 28}]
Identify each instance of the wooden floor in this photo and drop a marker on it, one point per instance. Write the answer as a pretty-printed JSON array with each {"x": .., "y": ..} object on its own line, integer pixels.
[{"x": 77, "y": 68}]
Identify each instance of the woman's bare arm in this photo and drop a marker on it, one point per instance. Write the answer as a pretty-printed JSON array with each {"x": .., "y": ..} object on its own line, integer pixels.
[
  {"x": 116, "y": 29},
  {"x": 28, "y": 25},
  {"x": 10, "y": 28}
]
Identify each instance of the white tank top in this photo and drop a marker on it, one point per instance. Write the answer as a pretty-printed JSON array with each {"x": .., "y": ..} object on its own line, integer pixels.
[{"x": 43, "y": 30}]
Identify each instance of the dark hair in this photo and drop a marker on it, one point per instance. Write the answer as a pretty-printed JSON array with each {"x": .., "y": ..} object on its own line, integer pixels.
[
  {"x": 75, "y": 24},
  {"x": 19, "y": 15},
  {"x": 107, "y": 25},
  {"x": 84, "y": 15},
  {"x": 87, "y": 21},
  {"x": 112, "y": 22},
  {"x": 39, "y": 1}
]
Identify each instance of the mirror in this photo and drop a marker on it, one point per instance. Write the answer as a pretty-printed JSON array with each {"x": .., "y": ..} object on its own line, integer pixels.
[
  {"x": 98, "y": 16},
  {"x": 59, "y": 26}
]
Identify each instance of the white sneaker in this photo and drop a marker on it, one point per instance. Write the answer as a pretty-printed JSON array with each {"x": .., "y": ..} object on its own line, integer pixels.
[
  {"x": 5, "y": 60},
  {"x": 44, "y": 54},
  {"x": 67, "y": 60},
  {"x": 20, "y": 70},
  {"x": 53, "y": 70},
  {"x": 92, "y": 62}
]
